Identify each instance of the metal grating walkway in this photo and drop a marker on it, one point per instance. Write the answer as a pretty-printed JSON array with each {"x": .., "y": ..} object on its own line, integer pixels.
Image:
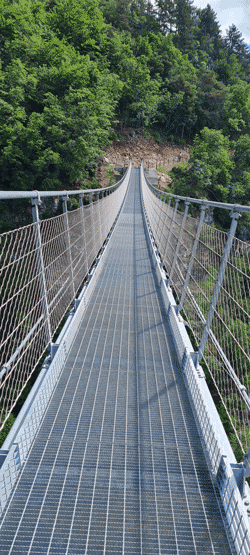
[{"x": 117, "y": 466}]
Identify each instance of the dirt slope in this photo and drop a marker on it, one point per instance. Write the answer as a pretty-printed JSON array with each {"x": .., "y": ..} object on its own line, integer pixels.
[{"x": 136, "y": 148}]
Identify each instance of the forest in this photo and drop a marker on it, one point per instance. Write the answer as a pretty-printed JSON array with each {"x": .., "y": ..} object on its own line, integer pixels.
[{"x": 74, "y": 72}]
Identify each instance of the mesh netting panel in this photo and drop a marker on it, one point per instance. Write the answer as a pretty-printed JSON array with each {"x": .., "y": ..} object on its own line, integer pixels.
[
  {"x": 229, "y": 337},
  {"x": 42, "y": 268},
  {"x": 23, "y": 328}
]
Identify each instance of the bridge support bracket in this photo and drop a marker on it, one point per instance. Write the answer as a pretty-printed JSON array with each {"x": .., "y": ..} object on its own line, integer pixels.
[
  {"x": 3, "y": 455},
  {"x": 53, "y": 350},
  {"x": 76, "y": 303},
  {"x": 241, "y": 471},
  {"x": 239, "y": 474}
]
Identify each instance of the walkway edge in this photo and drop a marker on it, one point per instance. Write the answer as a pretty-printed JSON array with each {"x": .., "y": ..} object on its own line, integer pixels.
[
  {"x": 218, "y": 451},
  {"x": 20, "y": 438}
]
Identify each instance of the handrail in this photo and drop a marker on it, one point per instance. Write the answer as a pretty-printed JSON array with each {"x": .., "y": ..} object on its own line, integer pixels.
[
  {"x": 209, "y": 203},
  {"x": 8, "y": 195}
]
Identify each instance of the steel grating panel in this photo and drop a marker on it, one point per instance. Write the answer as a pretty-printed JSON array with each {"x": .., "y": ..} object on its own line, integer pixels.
[{"x": 117, "y": 466}]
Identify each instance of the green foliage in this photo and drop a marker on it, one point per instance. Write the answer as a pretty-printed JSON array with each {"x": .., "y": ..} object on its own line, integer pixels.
[
  {"x": 240, "y": 185},
  {"x": 211, "y": 97},
  {"x": 117, "y": 12},
  {"x": 110, "y": 174},
  {"x": 166, "y": 14},
  {"x": 185, "y": 25},
  {"x": 80, "y": 22},
  {"x": 227, "y": 68},
  {"x": 56, "y": 105},
  {"x": 70, "y": 69},
  {"x": 208, "y": 33},
  {"x": 236, "y": 45},
  {"x": 242, "y": 166},
  {"x": 237, "y": 109},
  {"x": 211, "y": 166},
  {"x": 194, "y": 183},
  {"x": 5, "y": 430},
  {"x": 178, "y": 91},
  {"x": 211, "y": 146},
  {"x": 166, "y": 168}
]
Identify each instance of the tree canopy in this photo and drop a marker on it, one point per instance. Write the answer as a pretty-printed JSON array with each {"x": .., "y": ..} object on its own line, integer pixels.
[{"x": 71, "y": 70}]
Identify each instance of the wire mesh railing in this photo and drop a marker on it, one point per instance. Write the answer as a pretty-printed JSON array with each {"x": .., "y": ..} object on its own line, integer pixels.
[
  {"x": 209, "y": 271},
  {"x": 42, "y": 267}
]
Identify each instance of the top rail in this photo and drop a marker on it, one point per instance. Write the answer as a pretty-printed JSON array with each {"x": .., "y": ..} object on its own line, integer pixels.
[
  {"x": 9, "y": 195},
  {"x": 209, "y": 203}
]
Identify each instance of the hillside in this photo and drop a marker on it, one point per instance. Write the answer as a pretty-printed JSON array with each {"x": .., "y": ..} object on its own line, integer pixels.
[
  {"x": 135, "y": 147},
  {"x": 75, "y": 74}
]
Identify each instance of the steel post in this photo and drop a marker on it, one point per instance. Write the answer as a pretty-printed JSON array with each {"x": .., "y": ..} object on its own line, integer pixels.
[
  {"x": 187, "y": 204},
  {"x": 68, "y": 244},
  {"x": 83, "y": 229},
  {"x": 166, "y": 216},
  {"x": 99, "y": 215},
  {"x": 218, "y": 283},
  {"x": 158, "y": 219},
  {"x": 171, "y": 226},
  {"x": 35, "y": 202},
  {"x": 192, "y": 257}
]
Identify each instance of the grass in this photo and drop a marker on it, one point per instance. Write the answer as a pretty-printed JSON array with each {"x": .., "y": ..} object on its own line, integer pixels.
[{"x": 167, "y": 168}]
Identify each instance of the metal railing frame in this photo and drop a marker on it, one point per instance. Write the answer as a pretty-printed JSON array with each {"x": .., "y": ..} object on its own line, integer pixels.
[
  {"x": 235, "y": 213},
  {"x": 226, "y": 206},
  {"x": 35, "y": 198}
]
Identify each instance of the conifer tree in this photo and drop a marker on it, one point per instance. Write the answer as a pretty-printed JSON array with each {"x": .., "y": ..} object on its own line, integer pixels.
[
  {"x": 166, "y": 10},
  {"x": 236, "y": 45},
  {"x": 117, "y": 12},
  {"x": 234, "y": 40},
  {"x": 184, "y": 21},
  {"x": 143, "y": 18},
  {"x": 209, "y": 34}
]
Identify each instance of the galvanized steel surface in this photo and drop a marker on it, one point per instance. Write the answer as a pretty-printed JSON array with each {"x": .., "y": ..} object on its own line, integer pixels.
[{"x": 117, "y": 466}]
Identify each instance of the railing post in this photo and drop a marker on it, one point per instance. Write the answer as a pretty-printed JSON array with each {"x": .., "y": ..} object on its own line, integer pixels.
[
  {"x": 171, "y": 225},
  {"x": 83, "y": 228},
  {"x": 218, "y": 283},
  {"x": 187, "y": 204},
  {"x": 166, "y": 216},
  {"x": 68, "y": 244},
  {"x": 99, "y": 213},
  {"x": 35, "y": 202},
  {"x": 81, "y": 200},
  {"x": 192, "y": 257},
  {"x": 159, "y": 215}
]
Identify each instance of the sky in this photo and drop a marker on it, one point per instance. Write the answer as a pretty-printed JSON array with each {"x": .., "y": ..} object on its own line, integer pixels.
[{"x": 229, "y": 12}]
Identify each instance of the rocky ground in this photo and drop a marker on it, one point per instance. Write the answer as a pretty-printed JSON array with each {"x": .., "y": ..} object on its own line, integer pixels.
[{"x": 133, "y": 146}]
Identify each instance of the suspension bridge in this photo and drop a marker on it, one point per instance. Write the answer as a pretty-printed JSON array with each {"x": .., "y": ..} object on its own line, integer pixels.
[{"x": 118, "y": 448}]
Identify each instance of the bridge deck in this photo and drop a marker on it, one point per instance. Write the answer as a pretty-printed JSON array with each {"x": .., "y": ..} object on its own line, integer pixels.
[{"x": 117, "y": 466}]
